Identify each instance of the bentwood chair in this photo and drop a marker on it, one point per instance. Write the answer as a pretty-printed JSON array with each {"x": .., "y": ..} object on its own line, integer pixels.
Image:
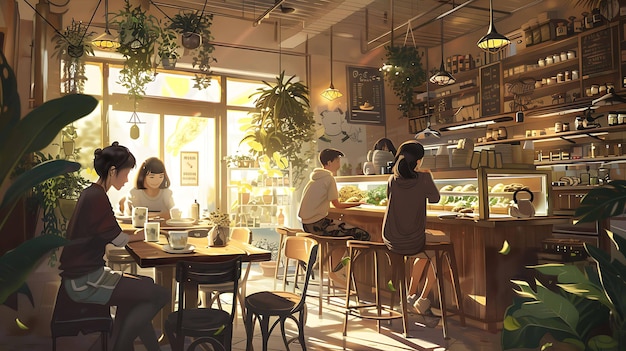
[
  {"x": 282, "y": 305},
  {"x": 205, "y": 325},
  {"x": 210, "y": 293},
  {"x": 71, "y": 318}
]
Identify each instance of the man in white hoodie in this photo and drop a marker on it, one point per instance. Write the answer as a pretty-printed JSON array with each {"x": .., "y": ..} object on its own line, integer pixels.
[{"x": 319, "y": 193}]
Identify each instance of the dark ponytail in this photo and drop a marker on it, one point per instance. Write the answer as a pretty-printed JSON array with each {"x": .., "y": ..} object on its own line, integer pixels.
[{"x": 409, "y": 153}]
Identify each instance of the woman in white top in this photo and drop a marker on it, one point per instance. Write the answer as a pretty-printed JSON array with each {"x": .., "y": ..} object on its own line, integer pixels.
[{"x": 151, "y": 189}]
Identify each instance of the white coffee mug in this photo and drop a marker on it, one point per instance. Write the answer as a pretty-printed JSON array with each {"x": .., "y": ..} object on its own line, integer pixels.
[
  {"x": 177, "y": 239},
  {"x": 140, "y": 216},
  {"x": 176, "y": 213},
  {"x": 151, "y": 231}
]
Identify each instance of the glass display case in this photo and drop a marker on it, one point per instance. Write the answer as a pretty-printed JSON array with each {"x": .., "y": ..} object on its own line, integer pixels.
[
  {"x": 258, "y": 199},
  {"x": 463, "y": 191}
]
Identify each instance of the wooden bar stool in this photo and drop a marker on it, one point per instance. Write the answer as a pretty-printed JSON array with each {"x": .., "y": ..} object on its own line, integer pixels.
[
  {"x": 327, "y": 244},
  {"x": 439, "y": 251},
  {"x": 284, "y": 232},
  {"x": 357, "y": 250}
]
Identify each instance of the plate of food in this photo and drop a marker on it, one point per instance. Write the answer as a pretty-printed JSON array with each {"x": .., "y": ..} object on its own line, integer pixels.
[
  {"x": 180, "y": 222},
  {"x": 188, "y": 249},
  {"x": 366, "y": 106}
]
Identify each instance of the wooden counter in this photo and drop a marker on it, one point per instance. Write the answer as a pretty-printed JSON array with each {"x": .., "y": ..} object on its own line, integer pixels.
[{"x": 485, "y": 274}]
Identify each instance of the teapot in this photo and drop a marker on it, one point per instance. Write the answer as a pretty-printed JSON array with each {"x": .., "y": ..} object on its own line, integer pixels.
[{"x": 522, "y": 208}]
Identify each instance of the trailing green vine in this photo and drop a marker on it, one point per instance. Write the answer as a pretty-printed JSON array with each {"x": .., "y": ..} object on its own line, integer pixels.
[{"x": 404, "y": 72}]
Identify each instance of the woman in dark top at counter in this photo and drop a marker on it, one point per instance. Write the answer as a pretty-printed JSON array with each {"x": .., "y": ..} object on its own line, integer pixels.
[
  {"x": 404, "y": 223},
  {"x": 84, "y": 275},
  {"x": 380, "y": 156}
]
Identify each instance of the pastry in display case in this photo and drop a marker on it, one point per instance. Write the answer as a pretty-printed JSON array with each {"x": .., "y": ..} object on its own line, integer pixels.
[{"x": 462, "y": 192}]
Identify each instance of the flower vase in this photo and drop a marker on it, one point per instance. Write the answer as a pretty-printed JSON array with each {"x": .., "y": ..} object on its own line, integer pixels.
[{"x": 218, "y": 236}]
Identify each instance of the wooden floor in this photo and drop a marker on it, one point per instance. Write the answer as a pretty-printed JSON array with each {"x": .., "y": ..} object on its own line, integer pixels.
[{"x": 321, "y": 333}]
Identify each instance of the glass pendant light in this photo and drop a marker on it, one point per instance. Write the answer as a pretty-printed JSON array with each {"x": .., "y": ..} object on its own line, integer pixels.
[
  {"x": 493, "y": 41},
  {"x": 442, "y": 77},
  {"x": 331, "y": 93},
  {"x": 106, "y": 41}
]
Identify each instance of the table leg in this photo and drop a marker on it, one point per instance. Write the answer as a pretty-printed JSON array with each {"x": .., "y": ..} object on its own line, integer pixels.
[{"x": 164, "y": 276}]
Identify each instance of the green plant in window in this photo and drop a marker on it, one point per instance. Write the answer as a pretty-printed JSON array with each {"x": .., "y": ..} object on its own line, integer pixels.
[
  {"x": 282, "y": 125},
  {"x": 168, "y": 47},
  {"x": 404, "y": 72}
]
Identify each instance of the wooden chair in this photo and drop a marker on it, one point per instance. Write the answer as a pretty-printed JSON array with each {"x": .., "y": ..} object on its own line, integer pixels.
[
  {"x": 210, "y": 294},
  {"x": 71, "y": 318},
  {"x": 284, "y": 232},
  {"x": 283, "y": 305},
  {"x": 205, "y": 325}
]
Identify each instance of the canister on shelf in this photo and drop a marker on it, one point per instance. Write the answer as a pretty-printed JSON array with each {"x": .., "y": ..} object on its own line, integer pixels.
[
  {"x": 558, "y": 127},
  {"x": 568, "y": 76},
  {"x": 560, "y": 78},
  {"x": 575, "y": 74},
  {"x": 566, "y": 126},
  {"x": 612, "y": 118},
  {"x": 621, "y": 118}
]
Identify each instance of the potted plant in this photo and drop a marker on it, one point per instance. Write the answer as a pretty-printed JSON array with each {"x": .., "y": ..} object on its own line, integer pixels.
[
  {"x": 588, "y": 310},
  {"x": 20, "y": 137},
  {"x": 71, "y": 46},
  {"x": 404, "y": 72},
  {"x": 138, "y": 32},
  {"x": 68, "y": 136},
  {"x": 282, "y": 125},
  {"x": 168, "y": 48},
  {"x": 195, "y": 30}
]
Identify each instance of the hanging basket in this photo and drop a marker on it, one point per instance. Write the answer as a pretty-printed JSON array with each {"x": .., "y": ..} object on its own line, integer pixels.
[
  {"x": 168, "y": 63},
  {"x": 191, "y": 40}
]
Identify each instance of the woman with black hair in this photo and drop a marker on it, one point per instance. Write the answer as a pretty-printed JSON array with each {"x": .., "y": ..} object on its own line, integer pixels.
[
  {"x": 84, "y": 275},
  {"x": 151, "y": 190},
  {"x": 404, "y": 223}
]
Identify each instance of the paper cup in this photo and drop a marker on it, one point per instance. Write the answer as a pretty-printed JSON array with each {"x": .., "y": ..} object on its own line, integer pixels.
[
  {"x": 176, "y": 213},
  {"x": 151, "y": 231},
  {"x": 140, "y": 216}
]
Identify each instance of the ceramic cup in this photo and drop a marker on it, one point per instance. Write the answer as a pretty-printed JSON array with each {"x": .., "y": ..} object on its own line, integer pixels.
[
  {"x": 176, "y": 213},
  {"x": 140, "y": 216},
  {"x": 177, "y": 239},
  {"x": 151, "y": 231}
]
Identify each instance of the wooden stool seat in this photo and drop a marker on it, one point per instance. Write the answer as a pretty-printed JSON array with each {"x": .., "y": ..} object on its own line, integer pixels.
[
  {"x": 71, "y": 318},
  {"x": 327, "y": 244}
]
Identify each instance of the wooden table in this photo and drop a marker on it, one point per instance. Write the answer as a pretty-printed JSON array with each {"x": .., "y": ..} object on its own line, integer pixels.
[{"x": 151, "y": 254}]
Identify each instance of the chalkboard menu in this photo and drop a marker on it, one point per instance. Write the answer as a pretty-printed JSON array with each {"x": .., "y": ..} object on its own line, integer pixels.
[
  {"x": 366, "y": 95},
  {"x": 596, "y": 52},
  {"x": 490, "y": 90}
]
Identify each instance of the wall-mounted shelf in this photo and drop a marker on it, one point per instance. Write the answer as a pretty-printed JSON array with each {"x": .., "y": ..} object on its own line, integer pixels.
[
  {"x": 590, "y": 133},
  {"x": 581, "y": 160}
]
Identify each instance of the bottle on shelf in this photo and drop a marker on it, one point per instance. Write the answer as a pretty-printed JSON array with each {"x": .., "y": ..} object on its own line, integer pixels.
[{"x": 281, "y": 218}]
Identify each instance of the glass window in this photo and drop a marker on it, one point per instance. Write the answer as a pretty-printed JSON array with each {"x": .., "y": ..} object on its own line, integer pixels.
[{"x": 239, "y": 92}]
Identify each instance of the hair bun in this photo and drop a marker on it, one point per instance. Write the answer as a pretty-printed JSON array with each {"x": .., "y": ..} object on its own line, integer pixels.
[
  {"x": 115, "y": 143},
  {"x": 98, "y": 152}
]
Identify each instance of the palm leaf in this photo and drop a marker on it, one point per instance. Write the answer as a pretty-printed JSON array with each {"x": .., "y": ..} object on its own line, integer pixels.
[{"x": 603, "y": 202}]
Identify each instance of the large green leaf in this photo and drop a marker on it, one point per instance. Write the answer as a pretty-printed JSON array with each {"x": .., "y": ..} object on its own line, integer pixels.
[
  {"x": 40, "y": 127},
  {"x": 32, "y": 177},
  {"x": 606, "y": 201},
  {"x": 17, "y": 264}
]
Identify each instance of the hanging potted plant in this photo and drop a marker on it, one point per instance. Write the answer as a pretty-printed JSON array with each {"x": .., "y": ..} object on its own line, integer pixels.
[
  {"x": 168, "y": 48},
  {"x": 138, "y": 33},
  {"x": 68, "y": 136},
  {"x": 282, "y": 125},
  {"x": 404, "y": 72},
  {"x": 195, "y": 30},
  {"x": 71, "y": 46}
]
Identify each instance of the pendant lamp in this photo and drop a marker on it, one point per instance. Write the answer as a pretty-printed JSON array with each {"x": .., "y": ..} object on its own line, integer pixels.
[
  {"x": 331, "y": 93},
  {"x": 493, "y": 41},
  {"x": 442, "y": 77},
  {"x": 106, "y": 41}
]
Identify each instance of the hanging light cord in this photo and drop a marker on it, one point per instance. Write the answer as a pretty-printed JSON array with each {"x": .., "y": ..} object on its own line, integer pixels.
[
  {"x": 331, "y": 58},
  {"x": 56, "y": 30}
]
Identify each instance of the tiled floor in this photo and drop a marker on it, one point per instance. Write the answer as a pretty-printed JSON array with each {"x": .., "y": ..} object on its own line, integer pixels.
[{"x": 322, "y": 333}]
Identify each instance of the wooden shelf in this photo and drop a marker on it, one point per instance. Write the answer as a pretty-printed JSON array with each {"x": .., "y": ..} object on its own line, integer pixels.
[
  {"x": 563, "y": 135},
  {"x": 546, "y": 71},
  {"x": 581, "y": 160}
]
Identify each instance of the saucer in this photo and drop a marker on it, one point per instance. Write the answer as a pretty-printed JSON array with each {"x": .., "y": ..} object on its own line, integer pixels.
[
  {"x": 188, "y": 249},
  {"x": 124, "y": 219},
  {"x": 181, "y": 222}
]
